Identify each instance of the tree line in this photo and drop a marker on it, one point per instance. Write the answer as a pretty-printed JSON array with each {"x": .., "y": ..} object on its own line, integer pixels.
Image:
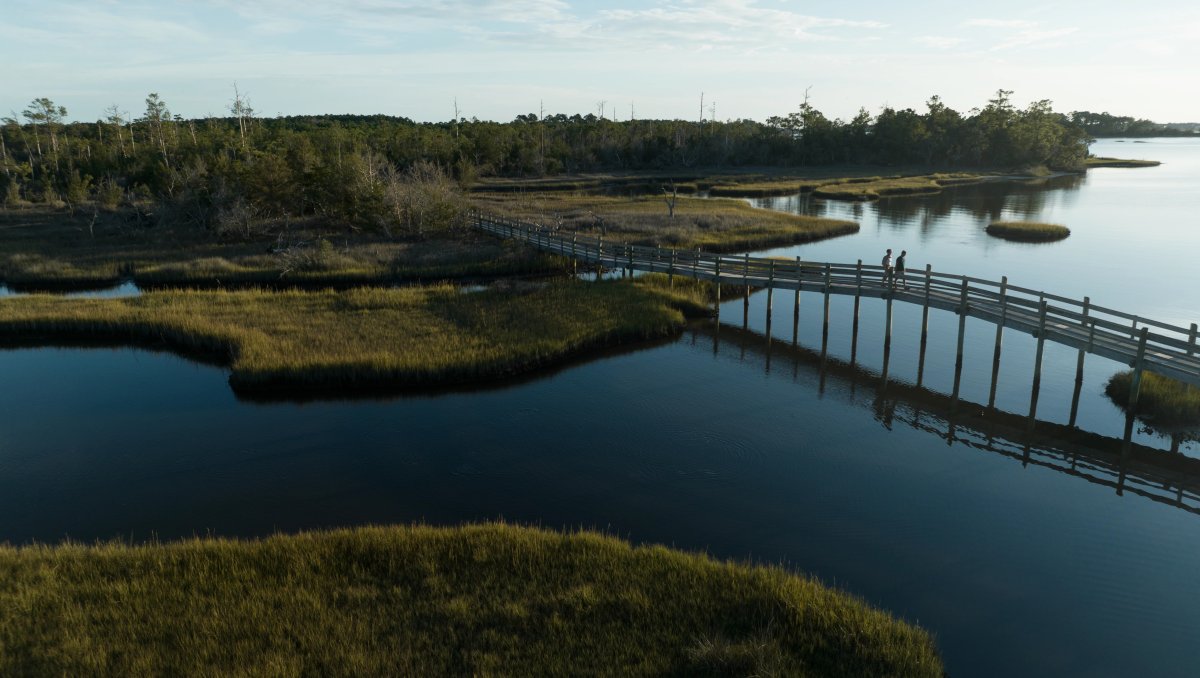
[{"x": 362, "y": 168}]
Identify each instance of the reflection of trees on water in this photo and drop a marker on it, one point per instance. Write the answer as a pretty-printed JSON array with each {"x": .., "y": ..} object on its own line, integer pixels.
[{"x": 986, "y": 202}]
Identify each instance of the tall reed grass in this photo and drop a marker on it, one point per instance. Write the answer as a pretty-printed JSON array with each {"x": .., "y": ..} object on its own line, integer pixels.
[{"x": 422, "y": 601}]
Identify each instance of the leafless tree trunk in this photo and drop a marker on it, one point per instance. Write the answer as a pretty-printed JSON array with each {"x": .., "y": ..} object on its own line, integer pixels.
[{"x": 672, "y": 196}]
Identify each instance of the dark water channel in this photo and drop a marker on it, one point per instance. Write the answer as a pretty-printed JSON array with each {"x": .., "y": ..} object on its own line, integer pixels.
[{"x": 1043, "y": 552}]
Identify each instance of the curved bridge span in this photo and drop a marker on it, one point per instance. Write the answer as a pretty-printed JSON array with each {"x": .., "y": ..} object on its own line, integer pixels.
[{"x": 1144, "y": 344}]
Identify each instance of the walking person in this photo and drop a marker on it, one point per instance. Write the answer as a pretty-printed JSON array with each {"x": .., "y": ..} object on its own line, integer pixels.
[
  {"x": 898, "y": 275},
  {"x": 888, "y": 278}
]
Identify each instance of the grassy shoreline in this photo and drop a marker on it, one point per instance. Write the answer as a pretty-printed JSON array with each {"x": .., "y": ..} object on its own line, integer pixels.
[
  {"x": 475, "y": 600},
  {"x": 296, "y": 342}
]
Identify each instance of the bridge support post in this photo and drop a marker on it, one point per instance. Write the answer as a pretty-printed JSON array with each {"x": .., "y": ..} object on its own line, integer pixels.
[
  {"x": 671, "y": 271},
  {"x": 770, "y": 295},
  {"x": 745, "y": 305},
  {"x": 999, "y": 341},
  {"x": 1087, "y": 303},
  {"x": 857, "y": 299},
  {"x": 1037, "y": 363},
  {"x": 599, "y": 258},
  {"x": 1191, "y": 349},
  {"x": 1135, "y": 386},
  {"x": 887, "y": 340},
  {"x": 925, "y": 310},
  {"x": 825, "y": 326},
  {"x": 962, "y": 330},
  {"x": 796, "y": 306},
  {"x": 716, "y": 287}
]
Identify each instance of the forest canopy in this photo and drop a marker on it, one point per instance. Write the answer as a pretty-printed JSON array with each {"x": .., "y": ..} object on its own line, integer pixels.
[{"x": 351, "y": 167}]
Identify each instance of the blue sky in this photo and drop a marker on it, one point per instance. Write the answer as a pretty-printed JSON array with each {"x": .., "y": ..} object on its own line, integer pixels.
[{"x": 753, "y": 58}]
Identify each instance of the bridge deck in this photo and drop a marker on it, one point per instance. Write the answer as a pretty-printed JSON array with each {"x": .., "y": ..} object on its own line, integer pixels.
[{"x": 1153, "y": 346}]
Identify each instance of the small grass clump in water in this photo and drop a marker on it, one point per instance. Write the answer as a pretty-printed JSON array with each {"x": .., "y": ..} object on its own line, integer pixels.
[
  {"x": 424, "y": 601},
  {"x": 1028, "y": 231},
  {"x": 1161, "y": 401},
  {"x": 362, "y": 337}
]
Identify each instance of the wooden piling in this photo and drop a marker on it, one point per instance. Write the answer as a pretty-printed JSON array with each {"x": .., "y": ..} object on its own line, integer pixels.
[
  {"x": 1087, "y": 302},
  {"x": 962, "y": 326},
  {"x": 825, "y": 326},
  {"x": 770, "y": 291},
  {"x": 1037, "y": 362},
  {"x": 716, "y": 286},
  {"x": 796, "y": 306},
  {"x": 599, "y": 258},
  {"x": 925, "y": 310},
  {"x": 857, "y": 299},
  {"x": 1135, "y": 387}
]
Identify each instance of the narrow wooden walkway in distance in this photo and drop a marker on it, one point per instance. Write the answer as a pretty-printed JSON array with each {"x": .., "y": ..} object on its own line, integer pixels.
[{"x": 1141, "y": 343}]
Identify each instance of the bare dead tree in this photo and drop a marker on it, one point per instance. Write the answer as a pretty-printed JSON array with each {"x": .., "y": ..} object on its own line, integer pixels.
[{"x": 671, "y": 197}]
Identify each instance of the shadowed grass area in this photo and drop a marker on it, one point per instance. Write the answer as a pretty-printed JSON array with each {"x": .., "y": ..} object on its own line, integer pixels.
[
  {"x": 362, "y": 338},
  {"x": 1119, "y": 162},
  {"x": 1028, "y": 231},
  {"x": 47, "y": 249},
  {"x": 1162, "y": 401},
  {"x": 424, "y": 601},
  {"x": 714, "y": 224}
]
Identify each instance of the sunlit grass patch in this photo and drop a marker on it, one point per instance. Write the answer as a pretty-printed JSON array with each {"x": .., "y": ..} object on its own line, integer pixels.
[
  {"x": 424, "y": 601},
  {"x": 364, "y": 337},
  {"x": 713, "y": 224},
  {"x": 1161, "y": 401},
  {"x": 1028, "y": 231}
]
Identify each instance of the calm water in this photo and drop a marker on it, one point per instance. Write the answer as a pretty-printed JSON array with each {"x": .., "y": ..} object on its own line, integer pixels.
[{"x": 1020, "y": 559}]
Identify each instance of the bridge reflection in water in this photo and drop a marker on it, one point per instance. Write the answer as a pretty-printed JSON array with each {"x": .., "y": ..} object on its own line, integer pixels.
[{"x": 1125, "y": 466}]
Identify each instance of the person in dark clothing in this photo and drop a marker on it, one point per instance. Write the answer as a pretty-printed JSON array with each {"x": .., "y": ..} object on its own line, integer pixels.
[{"x": 899, "y": 272}]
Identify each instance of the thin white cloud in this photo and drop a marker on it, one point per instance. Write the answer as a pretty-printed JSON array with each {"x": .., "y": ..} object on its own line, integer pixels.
[
  {"x": 939, "y": 41},
  {"x": 999, "y": 23}
]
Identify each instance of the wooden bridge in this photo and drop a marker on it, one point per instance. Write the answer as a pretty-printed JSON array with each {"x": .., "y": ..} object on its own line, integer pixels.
[{"x": 1145, "y": 345}]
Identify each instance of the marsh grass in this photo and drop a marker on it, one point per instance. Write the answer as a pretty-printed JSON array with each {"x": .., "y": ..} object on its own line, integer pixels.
[
  {"x": 422, "y": 601},
  {"x": 1091, "y": 163},
  {"x": 44, "y": 249},
  {"x": 875, "y": 188},
  {"x": 1162, "y": 401},
  {"x": 1028, "y": 231},
  {"x": 714, "y": 224},
  {"x": 293, "y": 340}
]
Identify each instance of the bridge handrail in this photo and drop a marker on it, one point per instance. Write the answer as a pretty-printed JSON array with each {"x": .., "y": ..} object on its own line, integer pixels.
[{"x": 1102, "y": 323}]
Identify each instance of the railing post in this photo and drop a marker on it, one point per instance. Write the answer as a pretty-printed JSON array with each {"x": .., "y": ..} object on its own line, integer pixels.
[
  {"x": 1192, "y": 340},
  {"x": 1135, "y": 386},
  {"x": 630, "y": 250},
  {"x": 671, "y": 271},
  {"x": 962, "y": 328}
]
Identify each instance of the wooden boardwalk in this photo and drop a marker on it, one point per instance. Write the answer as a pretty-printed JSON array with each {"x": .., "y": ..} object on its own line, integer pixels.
[{"x": 1141, "y": 343}]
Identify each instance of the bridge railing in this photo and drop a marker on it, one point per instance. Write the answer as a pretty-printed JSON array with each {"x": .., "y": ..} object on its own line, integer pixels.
[{"x": 1173, "y": 349}]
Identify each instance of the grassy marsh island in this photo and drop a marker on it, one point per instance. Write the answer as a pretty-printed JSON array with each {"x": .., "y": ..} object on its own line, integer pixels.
[
  {"x": 717, "y": 225},
  {"x": 1028, "y": 231},
  {"x": 365, "y": 337},
  {"x": 1162, "y": 402},
  {"x": 1094, "y": 162},
  {"x": 418, "y": 601}
]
